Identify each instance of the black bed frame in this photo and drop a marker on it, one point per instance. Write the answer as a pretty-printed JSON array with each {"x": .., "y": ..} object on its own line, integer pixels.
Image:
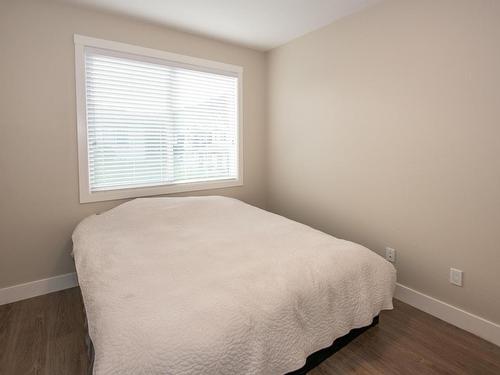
[
  {"x": 321, "y": 355},
  {"x": 311, "y": 362}
]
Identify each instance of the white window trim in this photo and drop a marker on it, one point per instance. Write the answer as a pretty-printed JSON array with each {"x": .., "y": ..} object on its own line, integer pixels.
[{"x": 201, "y": 64}]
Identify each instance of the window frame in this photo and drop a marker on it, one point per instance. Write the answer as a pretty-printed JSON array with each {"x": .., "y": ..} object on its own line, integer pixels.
[{"x": 147, "y": 54}]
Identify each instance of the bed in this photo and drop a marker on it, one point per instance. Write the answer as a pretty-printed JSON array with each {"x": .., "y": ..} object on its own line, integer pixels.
[{"x": 211, "y": 285}]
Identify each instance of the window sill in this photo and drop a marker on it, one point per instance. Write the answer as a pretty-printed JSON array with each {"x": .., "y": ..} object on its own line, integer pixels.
[{"x": 107, "y": 195}]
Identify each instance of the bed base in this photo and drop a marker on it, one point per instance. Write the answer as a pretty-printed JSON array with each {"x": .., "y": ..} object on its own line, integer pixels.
[
  {"x": 321, "y": 355},
  {"x": 311, "y": 362}
]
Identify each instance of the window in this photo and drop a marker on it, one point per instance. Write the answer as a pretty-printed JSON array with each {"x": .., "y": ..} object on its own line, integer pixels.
[{"x": 152, "y": 122}]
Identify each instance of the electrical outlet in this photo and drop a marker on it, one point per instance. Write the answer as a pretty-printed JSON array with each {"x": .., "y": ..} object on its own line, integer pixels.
[
  {"x": 456, "y": 276},
  {"x": 390, "y": 254}
]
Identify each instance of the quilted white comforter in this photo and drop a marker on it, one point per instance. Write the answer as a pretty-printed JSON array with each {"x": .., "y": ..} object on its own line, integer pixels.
[{"x": 211, "y": 285}]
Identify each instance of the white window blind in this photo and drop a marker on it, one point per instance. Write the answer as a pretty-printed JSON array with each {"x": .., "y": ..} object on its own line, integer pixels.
[{"x": 153, "y": 122}]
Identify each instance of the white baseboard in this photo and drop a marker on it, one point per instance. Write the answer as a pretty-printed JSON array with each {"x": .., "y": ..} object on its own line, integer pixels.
[
  {"x": 462, "y": 319},
  {"x": 37, "y": 288}
]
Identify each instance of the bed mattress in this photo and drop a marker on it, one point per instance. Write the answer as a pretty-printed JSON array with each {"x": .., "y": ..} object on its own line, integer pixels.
[{"x": 211, "y": 285}]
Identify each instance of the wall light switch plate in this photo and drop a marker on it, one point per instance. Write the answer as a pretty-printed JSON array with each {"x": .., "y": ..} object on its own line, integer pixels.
[{"x": 456, "y": 276}]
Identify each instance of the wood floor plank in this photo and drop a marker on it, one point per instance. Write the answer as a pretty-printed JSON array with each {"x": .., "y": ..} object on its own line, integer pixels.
[
  {"x": 45, "y": 336},
  {"x": 6, "y": 336},
  {"x": 66, "y": 347},
  {"x": 26, "y": 350}
]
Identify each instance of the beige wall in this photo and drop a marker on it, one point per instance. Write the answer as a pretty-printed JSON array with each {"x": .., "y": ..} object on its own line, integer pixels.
[
  {"x": 384, "y": 129},
  {"x": 39, "y": 204}
]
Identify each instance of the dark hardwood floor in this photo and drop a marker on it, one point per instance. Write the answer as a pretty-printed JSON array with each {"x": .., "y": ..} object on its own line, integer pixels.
[{"x": 45, "y": 335}]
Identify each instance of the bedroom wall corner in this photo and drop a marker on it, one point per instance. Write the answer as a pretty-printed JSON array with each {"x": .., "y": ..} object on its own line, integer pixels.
[{"x": 383, "y": 129}]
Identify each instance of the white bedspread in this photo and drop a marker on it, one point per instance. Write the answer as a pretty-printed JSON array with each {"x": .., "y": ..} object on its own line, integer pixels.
[{"x": 211, "y": 285}]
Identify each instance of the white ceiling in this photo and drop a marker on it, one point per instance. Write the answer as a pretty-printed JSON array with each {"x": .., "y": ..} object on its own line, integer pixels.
[{"x": 260, "y": 24}]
